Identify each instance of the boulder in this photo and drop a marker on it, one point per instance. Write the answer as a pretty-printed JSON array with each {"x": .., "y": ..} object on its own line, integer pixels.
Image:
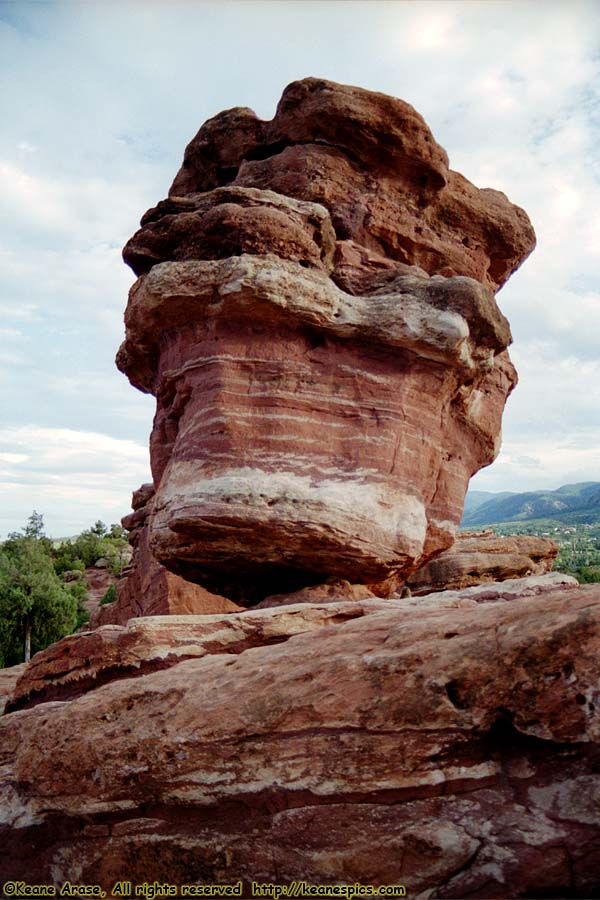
[
  {"x": 372, "y": 161},
  {"x": 478, "y": 557}
]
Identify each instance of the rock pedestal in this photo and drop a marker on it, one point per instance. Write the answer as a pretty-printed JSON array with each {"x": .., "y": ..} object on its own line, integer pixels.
[{"x": 315, "y": 315}]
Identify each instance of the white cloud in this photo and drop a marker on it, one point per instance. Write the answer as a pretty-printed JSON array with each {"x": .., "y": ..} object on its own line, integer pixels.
[
  {"x": 87, "y": 475},
  {"x": 552, "y": 465},
  {"x": 94, "y": 127},
  {"x": 11, "y": 334},
  {"x": 434, "y": 29},
  {"x": 13, "y": 457},
  {"x": 19, "y": 311}
]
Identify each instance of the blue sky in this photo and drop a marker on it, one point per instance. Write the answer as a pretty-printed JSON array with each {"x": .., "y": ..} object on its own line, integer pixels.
[{"x": 99, "y": 101}]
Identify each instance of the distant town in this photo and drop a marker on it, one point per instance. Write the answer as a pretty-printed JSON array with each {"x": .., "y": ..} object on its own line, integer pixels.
[{"x": 570, "y": 516}]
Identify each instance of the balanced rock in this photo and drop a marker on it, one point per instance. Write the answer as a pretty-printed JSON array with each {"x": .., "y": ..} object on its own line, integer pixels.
[
  {"x": 315, "y": 315},
  {"x": 478, "y": 557},
  {"x": 452, "y": 749}
]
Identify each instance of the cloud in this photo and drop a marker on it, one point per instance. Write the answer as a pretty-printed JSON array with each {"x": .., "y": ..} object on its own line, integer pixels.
[
  {"x": 70, "y": 476},
  {"x": 102, "y": 104},
  {"x": 555, "y": 421},
  {"x": 555, "y": 463}
]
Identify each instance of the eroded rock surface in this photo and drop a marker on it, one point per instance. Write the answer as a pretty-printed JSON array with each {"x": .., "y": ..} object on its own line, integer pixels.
[
  {"x": 8, "y": 680},
  {"x": 454, "y": 751},
  {"x": 315, "y": 315},
  {"x": 145, "y": 588},
  {"x": 373, "y": 163},
  {"x": 478, "y": 557}
]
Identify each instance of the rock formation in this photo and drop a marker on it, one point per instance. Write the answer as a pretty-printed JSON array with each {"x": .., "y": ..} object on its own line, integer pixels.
[
  {"x": 441, "y": 744},
  {"x": 146, "y": 588},
  {"x": 477, "y": 557},
  {"x": 8, "y": 680},
  {"x": 315, "y": 315}
]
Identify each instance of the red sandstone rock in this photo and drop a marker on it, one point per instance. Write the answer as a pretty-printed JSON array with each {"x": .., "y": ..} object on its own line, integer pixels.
[
  {"x": 8, "y": 680},
  {"x": 496, "y": 591},
  {"x": 476, "y": 558},
  {"x": 325, "y": 390},
  {"x": 453, "y": 750},
  {"x": 247, "y": 486},
  {"x": 330, "y": 592},
  {"x": 229, "y": 222},
  {"x": 486, "y": 592},
  {"x": 373, "y": 162},
  {"x": 146, "y": 588},
  {"x": 315, "y": 317},
  {"x": 97, "y": 582}
]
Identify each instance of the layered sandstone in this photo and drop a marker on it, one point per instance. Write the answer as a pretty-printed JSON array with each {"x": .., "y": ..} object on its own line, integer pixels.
[
  {"x": 373, "y": 163},
  {"x": 479, "y": 557},
  {"x": 315, "y": 315},
  {"x": 8, "y": 680},
  {"x": 145, "y": 588},
  {"x": 453, "y": 751}
]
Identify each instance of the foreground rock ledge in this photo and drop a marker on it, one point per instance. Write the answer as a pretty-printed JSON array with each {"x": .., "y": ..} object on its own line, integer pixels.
[{"x": 442, "y": 744}]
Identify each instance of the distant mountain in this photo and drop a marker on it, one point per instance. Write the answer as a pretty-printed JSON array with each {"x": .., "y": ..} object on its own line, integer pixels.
[
  {"x": 570, "y": 504},
  {"x": 475, "y": 499}
]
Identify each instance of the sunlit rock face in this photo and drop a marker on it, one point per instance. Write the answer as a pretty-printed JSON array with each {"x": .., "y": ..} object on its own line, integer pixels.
[{"x": 315, "y": 315}]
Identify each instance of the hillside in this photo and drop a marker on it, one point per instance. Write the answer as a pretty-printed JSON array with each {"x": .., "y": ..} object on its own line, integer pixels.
[
  {"x": 570, "y": 504},
  {"x": 475, "y": 499}
]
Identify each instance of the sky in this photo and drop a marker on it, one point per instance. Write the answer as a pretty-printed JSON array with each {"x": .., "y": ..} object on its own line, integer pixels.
[{"x": 99, "y": 100}]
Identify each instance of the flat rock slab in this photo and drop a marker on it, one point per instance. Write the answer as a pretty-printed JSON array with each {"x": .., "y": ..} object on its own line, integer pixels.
[{"x": 452, "y": 748}]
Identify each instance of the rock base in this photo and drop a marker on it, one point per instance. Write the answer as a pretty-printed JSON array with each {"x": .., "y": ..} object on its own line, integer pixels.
[{"x": 444, "y": 744}]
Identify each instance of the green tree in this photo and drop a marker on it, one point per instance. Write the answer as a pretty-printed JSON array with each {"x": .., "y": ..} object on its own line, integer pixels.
[
  {"x": 79, "y": 590},
  {"x": 35, "y": 607},
  {"x": 35, "y": 526},
  {"x": 34, "y": 530},
  {"x": 89, "y": 547}
]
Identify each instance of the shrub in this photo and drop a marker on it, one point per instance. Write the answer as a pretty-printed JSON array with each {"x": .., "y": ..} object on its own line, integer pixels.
[{"x": 110, "y": 596}]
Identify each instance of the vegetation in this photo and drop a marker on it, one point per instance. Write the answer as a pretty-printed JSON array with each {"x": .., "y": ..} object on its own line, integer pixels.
[
  {"x": 87, "y": 548},
  {"x": 110, "y": 596},
  {"x": 42, "y": 584},
  {"x": 579, "y": 545}
]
